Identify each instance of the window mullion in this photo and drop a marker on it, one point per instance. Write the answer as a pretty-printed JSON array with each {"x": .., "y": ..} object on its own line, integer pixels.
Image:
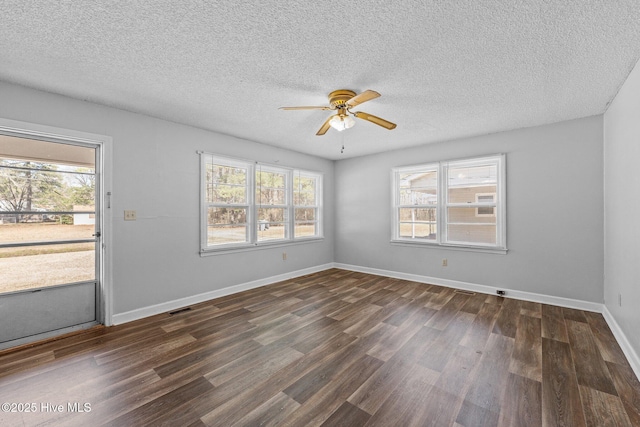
[
  {"x": 289, "y": 207},
  {"x": 395, "y": 214},
  {"x": 500, "y": 209},
  {"x": 443, "y": 199},
  {"x": 204, "y": 208},
  {"x": 472, "y": 205},
  {"x": 252, "y": 211},
  {"x": 318, "y": 195}
]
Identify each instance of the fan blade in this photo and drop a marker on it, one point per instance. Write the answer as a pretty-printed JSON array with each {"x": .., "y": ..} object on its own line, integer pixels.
[
  {"x": 365, "y": 96},
  {"x": 376, "y": 120},
  {"x": 304, "y": 108},
  {"x": 325, "y": 126}
]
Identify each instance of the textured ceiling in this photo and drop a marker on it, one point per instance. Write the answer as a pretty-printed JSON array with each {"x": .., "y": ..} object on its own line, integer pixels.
[{"x": 445, "y": 69}]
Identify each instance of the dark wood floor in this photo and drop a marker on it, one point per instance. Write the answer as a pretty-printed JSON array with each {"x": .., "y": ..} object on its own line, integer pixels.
[{"x": 335, "y": 348}]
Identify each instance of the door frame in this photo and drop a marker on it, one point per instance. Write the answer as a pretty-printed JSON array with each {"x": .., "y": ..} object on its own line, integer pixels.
[{"x": 103, "y": 143}]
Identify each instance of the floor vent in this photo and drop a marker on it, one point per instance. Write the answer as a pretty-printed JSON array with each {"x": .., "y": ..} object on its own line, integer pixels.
[
  {"x": 460, "y": 291},
  {"x": 181, "y": 310}
]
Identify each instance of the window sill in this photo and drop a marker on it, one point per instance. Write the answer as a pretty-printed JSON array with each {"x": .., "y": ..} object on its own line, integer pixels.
[
  {"x": 257, "y": 246},
  {"x": 499, "y": 251}
]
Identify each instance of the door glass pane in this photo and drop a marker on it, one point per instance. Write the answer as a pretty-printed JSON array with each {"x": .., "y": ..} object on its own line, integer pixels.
[
  {"x": 47, "y": 194},
  {"x": 29, "y": 267},
  {"x": 46, "y": 227},
  {"x": 29, "y": 188}
]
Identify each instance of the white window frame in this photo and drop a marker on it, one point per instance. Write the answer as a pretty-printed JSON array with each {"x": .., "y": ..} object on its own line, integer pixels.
[
  {"x": 317, "y": 204},
  {"x": 443, "y": 204},
  {"x": 247, "y": 205},
  {"x": 431, "y": 167},
  {"x": 286, "y": 207},
  {"x": 252, "y": 205}
]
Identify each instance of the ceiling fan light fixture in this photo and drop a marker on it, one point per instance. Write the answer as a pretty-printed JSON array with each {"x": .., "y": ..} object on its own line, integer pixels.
[
  {"x": 341, "y": 123},
  {"x": 341, "y": 101}
]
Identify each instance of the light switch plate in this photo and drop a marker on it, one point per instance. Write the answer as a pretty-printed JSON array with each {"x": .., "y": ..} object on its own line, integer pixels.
[{"x": 129, "y": 215}]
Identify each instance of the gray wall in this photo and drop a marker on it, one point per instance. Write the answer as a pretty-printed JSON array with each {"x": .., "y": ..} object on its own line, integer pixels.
[
  {"x": 554, "y": 190},
  {"x": 622, "y": 204},
  {"x": 156, "y": 173},
  {"x": 554, "y": 212}
]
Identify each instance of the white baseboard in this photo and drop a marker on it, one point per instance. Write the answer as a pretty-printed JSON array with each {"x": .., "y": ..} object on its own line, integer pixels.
[
  {"x": 152, "y": 310},
  {"x": 627, "y": 349},
  {"x": 629, "y": 352},
  {"x": 140, "y": 313},
  {"x": 483, "y": 289}
]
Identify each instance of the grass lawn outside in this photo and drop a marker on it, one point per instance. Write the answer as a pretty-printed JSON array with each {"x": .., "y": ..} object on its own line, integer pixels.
[{"x": 31, "y": 267}]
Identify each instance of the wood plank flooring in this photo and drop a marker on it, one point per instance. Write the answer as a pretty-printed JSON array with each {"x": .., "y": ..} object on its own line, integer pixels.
[{"x": 335, "y": 348}]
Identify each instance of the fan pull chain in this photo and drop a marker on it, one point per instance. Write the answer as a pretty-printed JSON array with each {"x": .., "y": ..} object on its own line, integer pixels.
[{"x": 342, "y": 151}]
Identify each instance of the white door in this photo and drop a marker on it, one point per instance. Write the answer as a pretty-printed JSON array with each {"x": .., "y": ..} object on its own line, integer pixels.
[{"x": 50, "y": 245}]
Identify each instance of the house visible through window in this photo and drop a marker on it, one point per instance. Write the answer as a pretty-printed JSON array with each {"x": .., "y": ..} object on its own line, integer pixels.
[
  {"x": 247, "y": 204},
  {"x": 486, "y": 210},
  {"x": 454, "y": 203},
  {"x": 417, "y": 204}
]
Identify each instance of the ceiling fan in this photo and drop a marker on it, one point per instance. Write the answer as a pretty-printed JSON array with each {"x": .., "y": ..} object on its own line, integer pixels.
[{"x": 343, "y": 100}]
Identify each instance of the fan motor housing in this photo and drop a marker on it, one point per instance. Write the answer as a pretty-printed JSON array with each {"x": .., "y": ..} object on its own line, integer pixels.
[{"x": 338, "y": 98}]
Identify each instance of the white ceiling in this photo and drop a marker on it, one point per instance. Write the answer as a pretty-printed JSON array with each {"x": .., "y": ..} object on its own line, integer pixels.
[{"x": 445, "y": 69}]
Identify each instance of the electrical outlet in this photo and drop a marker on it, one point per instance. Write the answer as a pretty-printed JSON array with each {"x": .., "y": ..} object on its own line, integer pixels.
[
  {"x": 129, "y": 215},
  {"x": 284, "y": 256},
  {"x": 444, "y": 262},
  {"x": 501, "y": 293}
]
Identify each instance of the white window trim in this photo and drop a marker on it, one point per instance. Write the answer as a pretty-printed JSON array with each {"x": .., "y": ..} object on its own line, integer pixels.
[
  {"x": 442, "y": 205},
  {"x": 252, "y": 242},
  {"x": 317, "y": 205},
  {"x": 287, "y": 206},
  {"x": 248, "y": 205},
  {"x": 397, "y": 198}
]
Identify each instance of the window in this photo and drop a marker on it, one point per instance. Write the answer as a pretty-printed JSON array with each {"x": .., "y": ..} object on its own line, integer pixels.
[
  {"x": 272, "y": 203},
  {"x": 248, "y": 204},
  {"x": 417, "y": 207},
  {"x": 485, "y": 210},
  {"x": 227, "y": 201},
  {"x": 306, "y": 187},
  {"x": 454, "y": 203}
]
